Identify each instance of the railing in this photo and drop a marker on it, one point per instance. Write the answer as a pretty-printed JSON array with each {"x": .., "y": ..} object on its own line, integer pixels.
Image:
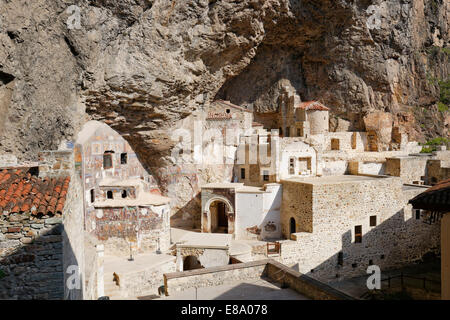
[{"x": 423, "y": 280}]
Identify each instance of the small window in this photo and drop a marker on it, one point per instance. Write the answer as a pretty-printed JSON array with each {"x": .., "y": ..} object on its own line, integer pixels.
[
  {"x": 242, "y": 173},
  {"x": 358, "y": 234},
  {"x": 92, "y": 195},
  {"x": 340, "y": 259},
  {"x": 280, "y": 130},
  {"x": 373, "y": 221},
  {"x": 370, "y": 262},
  {"x": 299, "y": 132},
  {"x": 265, "y": 175},
  {"x": 335, "y": 144},
  {"x": 228, "y": 110},
  {"x": 382, "y": 257},
  {"x": 109, "y": 194},
  {"x": 124, "y": 194},
  {"x": 107, "y": 160},
  {"x": 288, "y": 131},
  {"x": 123, "y": 158},
  {"x": 417, "y": 213},
  {"x": 291, "y": 165},
  {"x": 354, "y": 265}
]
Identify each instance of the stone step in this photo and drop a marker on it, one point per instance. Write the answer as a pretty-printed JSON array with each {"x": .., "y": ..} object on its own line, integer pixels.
[{"x": 110, "y": 287}]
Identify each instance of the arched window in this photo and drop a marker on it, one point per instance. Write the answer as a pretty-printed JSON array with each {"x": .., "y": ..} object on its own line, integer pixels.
[
  {"x": 109, "y": 194},
  {"x": 124, "y": 193},
  {"x": 108, "y": 160},
  {"x": 92, "y": 195},
  {"x": 292, "y": 227}
]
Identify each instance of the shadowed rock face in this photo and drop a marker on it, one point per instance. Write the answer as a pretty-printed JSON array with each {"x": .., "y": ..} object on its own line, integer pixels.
[{"x": 141, "y": 66}]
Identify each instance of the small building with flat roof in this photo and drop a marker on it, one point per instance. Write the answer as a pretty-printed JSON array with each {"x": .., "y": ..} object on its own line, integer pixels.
[
  {"x": 343, "y": 224},
  {"x": 246, "y": 212}
]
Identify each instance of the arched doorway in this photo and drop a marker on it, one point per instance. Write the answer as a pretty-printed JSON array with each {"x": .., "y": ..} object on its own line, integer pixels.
[
  {"x": 191, "y": 263},
  {"x": 219, "y": 217},
  {"x": 292, "y": 226}
]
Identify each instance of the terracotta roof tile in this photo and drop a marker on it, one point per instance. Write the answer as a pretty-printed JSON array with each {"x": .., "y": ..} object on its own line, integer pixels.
[
  {"x": 312, "y": 105},
  {"x": 21, "y": 192}
]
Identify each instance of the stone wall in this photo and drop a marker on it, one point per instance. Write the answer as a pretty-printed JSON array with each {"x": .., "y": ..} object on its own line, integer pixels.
[
  {"x": 55, "y": 163},
  {"x": 408, "y": 168},
  {"x": 31, "y": 257},
  {"x": 398, "y": 238},
  {"x": 303, "y": 284},
  {"x": 437, "y": 170},
  {"x": 216, "y": 276},
  {"x": 230, "y": 274},
  {"x": 145, "y": 282},
  {"x": 294, "y": 206},
  {"x": 73, "y": 238},
  {"x": 7, "y": 160}
]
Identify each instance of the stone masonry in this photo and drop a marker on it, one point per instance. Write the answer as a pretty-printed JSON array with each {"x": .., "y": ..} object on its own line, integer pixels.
[{"x": 31, "y": 257}]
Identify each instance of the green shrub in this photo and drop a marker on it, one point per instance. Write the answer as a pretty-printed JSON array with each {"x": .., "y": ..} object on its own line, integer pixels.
[
  {"x": 427, "y": 150},
  {"x": 442, "y": 107},
  {"x": 431, "y": 144}
]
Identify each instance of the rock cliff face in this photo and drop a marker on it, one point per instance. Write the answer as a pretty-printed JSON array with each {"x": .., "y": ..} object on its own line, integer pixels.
[{"x": 141, "y": 66}]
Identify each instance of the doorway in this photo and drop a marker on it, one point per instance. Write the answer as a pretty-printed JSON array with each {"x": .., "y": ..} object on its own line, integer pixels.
[
  {"x": 219, "y": 218},
  {"x": 292, "y": 228}
]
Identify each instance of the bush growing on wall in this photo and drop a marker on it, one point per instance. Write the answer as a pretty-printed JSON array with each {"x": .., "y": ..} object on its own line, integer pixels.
[{"x": 431, "y": 145}]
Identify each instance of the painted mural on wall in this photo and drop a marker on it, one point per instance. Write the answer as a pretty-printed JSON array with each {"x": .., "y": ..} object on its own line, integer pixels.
[{"x": 102, "y": 154}]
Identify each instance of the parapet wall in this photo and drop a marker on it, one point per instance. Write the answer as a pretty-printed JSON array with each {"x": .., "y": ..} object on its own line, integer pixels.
[
  {"x": 215, "y": 276},
  {"x": 55, "y": 163},
  {"x": 303, "y": 284},
  {"x": 311, "y": 288}
]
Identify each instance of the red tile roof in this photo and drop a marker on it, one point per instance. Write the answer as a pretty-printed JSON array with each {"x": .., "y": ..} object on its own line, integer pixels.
[
  {"x": 436, "y": 198},
  {"x": 21, "y": 192},
  {"x": 312, "y": 105}
]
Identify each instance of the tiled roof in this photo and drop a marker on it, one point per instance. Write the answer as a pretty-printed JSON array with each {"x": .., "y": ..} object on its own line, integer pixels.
[
  {"x": 312, "y": 105},
  {"x": 436, "y": 198},
  {"x": 20, "y": 191},
  {"x": 229, "y": 104}
]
